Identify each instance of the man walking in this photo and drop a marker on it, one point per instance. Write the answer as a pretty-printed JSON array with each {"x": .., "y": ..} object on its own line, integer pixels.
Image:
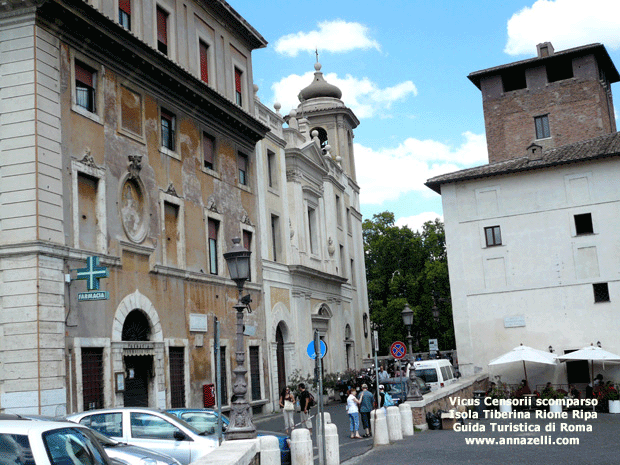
[{"x": 304, "y": 400}]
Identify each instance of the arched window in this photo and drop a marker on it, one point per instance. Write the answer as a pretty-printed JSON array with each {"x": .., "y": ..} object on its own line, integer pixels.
[
  {"x": 322, "y": 136},
  {"x": 136, "y": 327}
]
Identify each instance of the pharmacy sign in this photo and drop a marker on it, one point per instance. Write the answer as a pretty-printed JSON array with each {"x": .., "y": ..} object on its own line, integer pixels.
[{"x": 92, "y": 274}]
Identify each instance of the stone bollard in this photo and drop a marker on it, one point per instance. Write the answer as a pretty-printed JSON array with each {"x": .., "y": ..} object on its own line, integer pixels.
[
  {"x": 393, "y": 424},
  {"x": 269, "y": 450},
  {"x": 379, "y": 428},
  {"x": 319, "y": 438},
  {"x": 301, "y": 447},
  {"x": 332, "y": 446},
  {"x": 406, "y": 419}
]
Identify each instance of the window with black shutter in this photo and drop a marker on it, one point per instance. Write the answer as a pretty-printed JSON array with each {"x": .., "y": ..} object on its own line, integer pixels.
[
  {"x": 255, "y": 372},
  {"x": 223, "y": 394},
  {"x": 92, "y": 378},
  {"x": 177, "y": 377}
]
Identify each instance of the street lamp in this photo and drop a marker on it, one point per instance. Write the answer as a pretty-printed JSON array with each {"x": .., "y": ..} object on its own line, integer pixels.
[
  {"x": 241, "y": 425},
  {"x": 407, "y": 315}
]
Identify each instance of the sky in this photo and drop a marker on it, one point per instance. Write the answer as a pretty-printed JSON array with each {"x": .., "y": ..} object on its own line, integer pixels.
[{"x": 402, "y": 67}]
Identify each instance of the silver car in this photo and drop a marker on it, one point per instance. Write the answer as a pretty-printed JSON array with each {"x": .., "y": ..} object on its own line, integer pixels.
[
  {"x": 152, "y": 429},
  {"x": 132, "y": 455},
  {"x": 49, "y": 443}
]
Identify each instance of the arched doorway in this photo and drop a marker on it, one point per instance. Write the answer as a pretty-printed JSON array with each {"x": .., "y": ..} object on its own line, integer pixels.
[
  {"x": 280, "y": 360},
  {"x": 138, "y": 366}
]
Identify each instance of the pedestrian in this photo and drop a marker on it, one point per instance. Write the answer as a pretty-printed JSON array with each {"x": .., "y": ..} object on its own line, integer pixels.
[
  {"x": 304, "y": 400},
  {"x": 383, "y": 375},
  {"x": 366, "y": 402},
  {"x": 353, "y": 411},
  {"x": 381, "y": 403},
  {"x": 287, "y": 404}
]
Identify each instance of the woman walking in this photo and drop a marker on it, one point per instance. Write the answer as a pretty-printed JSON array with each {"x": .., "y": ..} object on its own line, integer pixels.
[
  {"x": 353, "y": 411},
  {"x": 287, "y": 404}
]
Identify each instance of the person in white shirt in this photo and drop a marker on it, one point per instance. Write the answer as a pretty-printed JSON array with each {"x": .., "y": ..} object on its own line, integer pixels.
[{"x": 353, "y": 411}]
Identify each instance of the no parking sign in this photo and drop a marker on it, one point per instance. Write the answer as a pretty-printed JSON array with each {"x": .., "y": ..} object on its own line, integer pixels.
[{"x": 398, "y": 350}]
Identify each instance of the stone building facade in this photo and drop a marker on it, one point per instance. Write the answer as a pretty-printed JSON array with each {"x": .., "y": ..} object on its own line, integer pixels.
[
  {"x": 130, "y": 133},
  {"x": 531, "y": 236}
]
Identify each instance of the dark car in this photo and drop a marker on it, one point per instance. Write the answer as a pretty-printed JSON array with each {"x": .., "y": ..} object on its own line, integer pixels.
[
  {"x": 394, "y": 386},
  {"x": 205, "y": 419}
]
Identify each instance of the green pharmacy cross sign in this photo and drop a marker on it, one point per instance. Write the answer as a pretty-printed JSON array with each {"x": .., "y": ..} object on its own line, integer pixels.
[{"x": 92, "y": 274}]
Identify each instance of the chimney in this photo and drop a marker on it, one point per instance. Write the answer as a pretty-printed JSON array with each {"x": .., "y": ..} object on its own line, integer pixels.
[{"x": 544, "y": 50}]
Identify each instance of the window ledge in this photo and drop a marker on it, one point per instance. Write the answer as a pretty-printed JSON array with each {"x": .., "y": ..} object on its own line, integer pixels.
[
  {"x": 274, "y": 190},
  {"x": 210, "y": 172},
  {"x": 132, "y": 135},
  {"x": 87, "y": 114},
  {"x": 170, "y": 153},
  {"x": 244, "y": 187}
]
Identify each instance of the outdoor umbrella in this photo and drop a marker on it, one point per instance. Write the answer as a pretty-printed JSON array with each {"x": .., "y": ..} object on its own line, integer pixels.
[
  {"x": 525, "y": 354},
  {"x": 591, "y": 353}
]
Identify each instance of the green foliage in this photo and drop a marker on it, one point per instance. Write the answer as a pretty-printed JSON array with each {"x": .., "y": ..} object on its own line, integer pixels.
[
  {"x": 403, "y": 266},
  {"x": 329, "y": 381}
]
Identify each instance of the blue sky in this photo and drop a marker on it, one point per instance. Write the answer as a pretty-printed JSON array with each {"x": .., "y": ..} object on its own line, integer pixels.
[{"x": 402, "y": 67}]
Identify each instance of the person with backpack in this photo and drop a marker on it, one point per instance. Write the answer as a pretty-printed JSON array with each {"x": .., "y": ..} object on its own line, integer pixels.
[
  {"x": 305, "y": 405},
  {"x": 366, "y": 402}
]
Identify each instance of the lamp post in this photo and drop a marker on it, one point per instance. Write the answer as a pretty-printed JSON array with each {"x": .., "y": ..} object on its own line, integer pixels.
[
  {"x": 241, "y": 425},
  {"x": 407, "y": 315}
]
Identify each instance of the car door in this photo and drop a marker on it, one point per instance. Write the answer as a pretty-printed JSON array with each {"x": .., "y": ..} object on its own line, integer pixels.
[
  {"x": 159, "y": 434},
  {"x": 202, "y": 421}
]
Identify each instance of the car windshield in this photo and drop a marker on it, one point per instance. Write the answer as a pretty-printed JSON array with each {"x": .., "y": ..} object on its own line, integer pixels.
[
  {"x": 104, "y": 440},
  {"x": 176, "y": 420}
]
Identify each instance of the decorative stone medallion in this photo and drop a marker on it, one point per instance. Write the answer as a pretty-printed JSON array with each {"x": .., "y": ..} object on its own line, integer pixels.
[{"x": 133, "y": 210}]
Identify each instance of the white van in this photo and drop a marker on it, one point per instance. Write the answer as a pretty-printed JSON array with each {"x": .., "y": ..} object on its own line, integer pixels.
[{"x": 436, "y": 373}]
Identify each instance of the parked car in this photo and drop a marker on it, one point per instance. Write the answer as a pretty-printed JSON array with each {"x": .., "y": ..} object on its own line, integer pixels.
[
  {"x": 152, "y": 429},
  {"x": 125, "y": 453},
  {"x": 204, "y": 419},
  {"x": 395, "y": 387},
  {"x": 27, "y": 442}
]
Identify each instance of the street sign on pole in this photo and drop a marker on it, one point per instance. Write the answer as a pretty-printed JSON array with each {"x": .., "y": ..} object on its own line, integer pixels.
[
  {"x": 311, "y": 352},
  {"x": 398, "y": 350},
  {"x": 375, "y": 335}
]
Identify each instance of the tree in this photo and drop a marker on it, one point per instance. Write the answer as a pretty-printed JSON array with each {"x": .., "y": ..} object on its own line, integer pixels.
[{"x": 403, "y": 266}]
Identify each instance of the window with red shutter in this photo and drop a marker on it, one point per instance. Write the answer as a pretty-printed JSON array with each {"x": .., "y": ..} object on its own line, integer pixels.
[
  {"x": 124, "y": 13},
  {"x": 247, "y": 243},
  {"x": 162, "y": 30},
  {"x": 204, "y": 63},
  {"x": 85, "y": 79},
  {"x": 238, "y": 95},
  {"x": 208, "y": 150}
]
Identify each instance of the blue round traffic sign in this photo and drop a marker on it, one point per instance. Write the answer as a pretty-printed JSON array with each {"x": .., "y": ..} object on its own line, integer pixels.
[
  {"x": 398, "y": 350},
  {"x": 312, "y": 353}
]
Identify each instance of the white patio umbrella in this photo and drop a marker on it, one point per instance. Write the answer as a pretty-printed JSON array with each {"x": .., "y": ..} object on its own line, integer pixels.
[
  {"x": 591, "y": 353},
  {"x": 525, "y": 354}
]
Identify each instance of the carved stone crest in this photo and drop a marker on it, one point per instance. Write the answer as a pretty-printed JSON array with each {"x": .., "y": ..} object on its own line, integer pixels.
[
  {"x": 135, "y": 165},
  {"x": 88, "y": 159}
]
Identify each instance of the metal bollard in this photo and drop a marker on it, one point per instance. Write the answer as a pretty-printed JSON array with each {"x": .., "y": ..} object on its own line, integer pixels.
[
  {"x": 393, "y": 424},
  {"x": 269, "y": 450},
  {"x": 379, "y": 426},
  {"x": 406, "y": 419},
  {"x": 301, "y": 447}
]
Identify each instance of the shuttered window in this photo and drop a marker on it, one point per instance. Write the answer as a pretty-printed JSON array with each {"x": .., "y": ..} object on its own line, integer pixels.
[
  {"x": 92, "y": 378},
  {"x": 213, "y": 229},
  {"x": 238, "y": 94},
  {"x": 247, "y": 243},
  {"x": 255, "y": 372},
  {"x": 204, "y": 62},
  {"x": 124, "y": 13},
  {"x": 208, "y": 150},
  {"x": 242, "y": 165},
  {"x": 85, "y": 80},
  {"x": 168, "y": 135},
  {"x": 162, "y": 30},
  {"x": 177, "y": 377},
  {"x": 223, "y": 394}
]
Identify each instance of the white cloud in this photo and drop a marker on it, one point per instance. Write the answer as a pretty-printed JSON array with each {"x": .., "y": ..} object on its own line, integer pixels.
[
  {"x": 416, "y": 222},
  {"x": 336, "y": 36},
  {"x": 362, "y": 96},
  {"x": 564, "y": 23},
  {"x": 389, "y": 173}
]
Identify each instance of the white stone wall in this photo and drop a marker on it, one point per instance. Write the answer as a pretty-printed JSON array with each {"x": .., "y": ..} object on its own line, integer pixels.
[{"x": 543, "y": 272}]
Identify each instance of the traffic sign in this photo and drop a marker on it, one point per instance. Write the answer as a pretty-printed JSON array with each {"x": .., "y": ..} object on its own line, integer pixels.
[
  {"x": 312, "y": 353},
  {"x": 398, "y": 350}
]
